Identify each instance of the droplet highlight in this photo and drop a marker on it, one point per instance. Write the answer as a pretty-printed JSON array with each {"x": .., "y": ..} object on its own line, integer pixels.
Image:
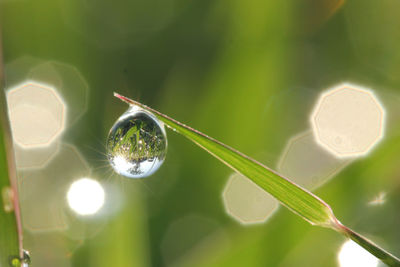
[{"x": 136, "y": 144}]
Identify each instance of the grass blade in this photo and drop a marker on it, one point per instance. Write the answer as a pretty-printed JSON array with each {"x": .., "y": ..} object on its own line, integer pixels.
[
  {"x": 302, "y": 202},
  {"x": 367, "y": 244},
  {"x": 299, "y": 200},
  {"x": 10, "y": 222}
]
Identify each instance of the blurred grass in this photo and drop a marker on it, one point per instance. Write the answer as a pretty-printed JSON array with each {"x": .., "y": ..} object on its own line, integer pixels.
[
  {"x": 9, "y": 240},
  {"x": 271, "y": 62}
]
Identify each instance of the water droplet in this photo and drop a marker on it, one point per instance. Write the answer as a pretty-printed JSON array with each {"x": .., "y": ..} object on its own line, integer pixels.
[
  {"x": 26, "y": 260},
  {"x": 16, "y": 261},
  {"x": 136, "y": 144}
]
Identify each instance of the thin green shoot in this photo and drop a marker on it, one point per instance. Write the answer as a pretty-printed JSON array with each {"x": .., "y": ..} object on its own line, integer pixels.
[{"x": 299, "y": 200}]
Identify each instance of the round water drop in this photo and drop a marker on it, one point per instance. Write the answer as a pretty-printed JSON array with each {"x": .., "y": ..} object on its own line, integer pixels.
[
  {"x": 16, "y": 261},
  {"x": 136, "y": 144},
  {"x": 26, "y": 260}
]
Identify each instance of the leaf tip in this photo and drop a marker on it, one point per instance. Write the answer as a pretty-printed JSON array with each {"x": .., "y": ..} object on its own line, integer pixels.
[{"x": 121, "y": 97}]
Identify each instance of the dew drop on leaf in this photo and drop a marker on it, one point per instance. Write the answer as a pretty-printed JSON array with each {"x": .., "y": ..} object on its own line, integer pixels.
[
  {"x": 16, "y": 261},
  {"x": 26, "y": 260},
  {"x": 136, "y": 144}
]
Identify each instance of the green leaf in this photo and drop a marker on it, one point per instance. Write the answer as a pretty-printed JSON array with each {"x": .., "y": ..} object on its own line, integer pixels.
[
  {"x": 299, "y": 200},
  {"x": 374, "y": 249},
  {"x": 10, "y": 250}
]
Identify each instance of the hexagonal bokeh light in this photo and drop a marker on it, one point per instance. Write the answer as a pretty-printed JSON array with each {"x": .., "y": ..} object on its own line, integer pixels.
[
  {"x": 69, "y": 82},
  {"x": 348, "y": 121},
  {"x": 306, "y": 163},
  {"x": 246, "y": 202},
  {"x": 37, "y": 114},
  {"x": 85, "y": 196},
  {"x": 352, "y": 255}
]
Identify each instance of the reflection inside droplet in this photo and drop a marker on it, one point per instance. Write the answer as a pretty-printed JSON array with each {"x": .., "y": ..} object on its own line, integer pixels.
[{"x": 136, "y": 144}]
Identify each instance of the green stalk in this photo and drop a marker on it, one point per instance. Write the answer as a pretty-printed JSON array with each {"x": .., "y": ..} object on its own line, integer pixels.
[
  {"x": 367, "y": 244},
  {"x": 10, "y": 220},
  {"x": 299, "y": 200}
]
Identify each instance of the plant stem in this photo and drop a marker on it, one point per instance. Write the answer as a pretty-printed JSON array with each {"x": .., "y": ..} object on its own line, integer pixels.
[
  {"x": 302, "y": 202},
  {"x": 10, "y": 220},
  {"x": 386, "y": 257}
]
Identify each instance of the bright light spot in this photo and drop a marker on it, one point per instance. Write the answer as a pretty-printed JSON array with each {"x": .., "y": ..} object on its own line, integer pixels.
[
  {"x": 246, "y": 202},
  {"x": 85, "y": 196},
  {"x": 42, "y": 190},
  {"x": 122, "y": 166},
  {"x": 37, "y": 114},
  {"x": 352, "y": 255},
  {"x": 380, "y": 199},
  {"x": 348, "y": 121},
  {"x": 121, "y": 163},
  {"x": 306, "y": 163}
]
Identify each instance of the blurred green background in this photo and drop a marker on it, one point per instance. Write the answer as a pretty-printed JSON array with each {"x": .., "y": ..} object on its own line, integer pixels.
[{"x": 245, "y": 72}]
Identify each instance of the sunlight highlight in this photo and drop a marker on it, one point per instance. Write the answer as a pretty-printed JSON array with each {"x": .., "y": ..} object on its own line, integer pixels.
[
  {"x": 122, "y": 166},
  {"x": 37, "y": 114},
  {"x": 348, "y": 121},
  {"x": 353, "y": 255},
  {"x": 85, "y": 196},
  {"x": 42, "y": 190}
]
